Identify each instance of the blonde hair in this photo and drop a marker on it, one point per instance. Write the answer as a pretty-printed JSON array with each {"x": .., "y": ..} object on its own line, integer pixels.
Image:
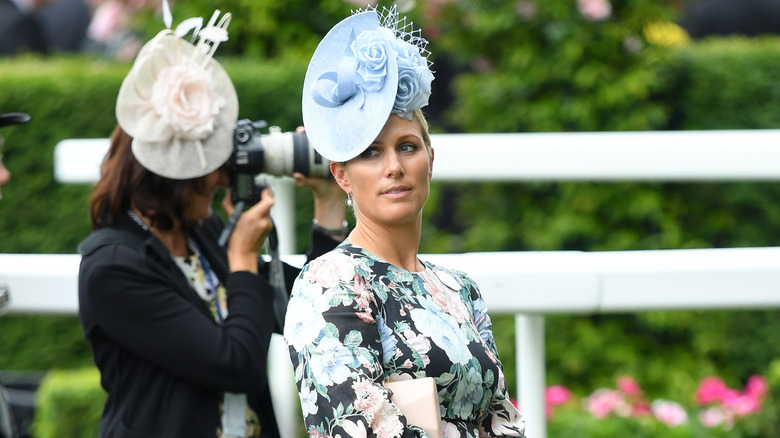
[{"x": 419, "y": 117}]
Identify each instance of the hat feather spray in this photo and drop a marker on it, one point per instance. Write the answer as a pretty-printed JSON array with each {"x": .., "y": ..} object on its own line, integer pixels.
[
  {"x": 368, "y": 66},
  {"x": 177, "y": 102}
]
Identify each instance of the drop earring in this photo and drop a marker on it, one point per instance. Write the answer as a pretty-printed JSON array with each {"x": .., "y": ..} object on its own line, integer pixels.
[{"x": 349, "y": 199}]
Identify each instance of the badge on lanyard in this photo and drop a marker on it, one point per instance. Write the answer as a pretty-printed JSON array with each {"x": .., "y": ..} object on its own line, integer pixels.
[{"x": 234, "y": 415}]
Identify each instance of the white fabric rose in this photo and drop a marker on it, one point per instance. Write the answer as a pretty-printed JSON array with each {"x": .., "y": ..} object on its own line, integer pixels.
[{"x": 185, "y": 99}]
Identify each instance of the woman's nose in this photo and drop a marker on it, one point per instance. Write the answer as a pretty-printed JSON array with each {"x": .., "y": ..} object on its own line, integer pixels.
[{"x": 394, "y": 166}]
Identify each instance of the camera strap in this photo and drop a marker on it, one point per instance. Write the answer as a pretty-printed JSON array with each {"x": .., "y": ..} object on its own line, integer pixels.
[{"x": 276, "y": 278}]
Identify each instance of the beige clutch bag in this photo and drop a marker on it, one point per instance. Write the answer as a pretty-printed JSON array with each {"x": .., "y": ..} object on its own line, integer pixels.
[{"x": 419, "y": 402}]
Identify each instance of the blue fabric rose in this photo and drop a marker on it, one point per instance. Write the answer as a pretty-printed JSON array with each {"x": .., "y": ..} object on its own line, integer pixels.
[
  {"x": 371, "y": 51},
  {"x": 414, "y": 80}
]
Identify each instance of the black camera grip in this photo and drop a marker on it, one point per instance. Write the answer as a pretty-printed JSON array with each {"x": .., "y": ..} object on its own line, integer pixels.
[{"x": 223, "y": 238}]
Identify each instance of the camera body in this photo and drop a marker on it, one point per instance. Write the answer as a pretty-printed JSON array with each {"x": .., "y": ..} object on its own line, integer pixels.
[{"x": 276, "y": 153}]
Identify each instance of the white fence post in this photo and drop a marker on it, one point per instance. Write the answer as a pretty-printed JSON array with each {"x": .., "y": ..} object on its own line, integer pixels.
[{"x": 531, "y": 375}]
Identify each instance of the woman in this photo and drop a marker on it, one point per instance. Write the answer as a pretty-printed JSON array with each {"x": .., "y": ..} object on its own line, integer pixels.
[
  {"x": 370, "y": 311},
  {"x": 180, "y": 326}
]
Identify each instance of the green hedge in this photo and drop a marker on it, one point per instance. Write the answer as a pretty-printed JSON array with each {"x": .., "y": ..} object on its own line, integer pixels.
[{"x": 68, "y": 404}]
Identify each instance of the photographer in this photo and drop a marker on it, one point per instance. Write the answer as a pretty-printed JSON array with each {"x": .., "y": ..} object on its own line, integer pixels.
[
  {"x": 180, "y": 326},
  {"x": 7, "y": 427}
]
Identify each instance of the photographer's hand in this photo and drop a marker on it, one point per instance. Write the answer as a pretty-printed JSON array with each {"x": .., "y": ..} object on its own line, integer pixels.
[
  {"x": 329, "y": 201},
  {"x": 250, "y": 233}
]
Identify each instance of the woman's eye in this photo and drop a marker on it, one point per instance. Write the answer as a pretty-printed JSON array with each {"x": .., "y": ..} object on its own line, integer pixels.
[
  {"x": 369, "y": 153},
  {"x": 408, "y": 147}
]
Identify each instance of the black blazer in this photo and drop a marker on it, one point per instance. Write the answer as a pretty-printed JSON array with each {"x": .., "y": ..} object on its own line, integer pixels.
[{"x": 163, "y": 360}]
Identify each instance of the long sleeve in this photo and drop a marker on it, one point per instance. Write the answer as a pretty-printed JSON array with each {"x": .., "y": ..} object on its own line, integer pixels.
[{"x": 503, "y": 418}]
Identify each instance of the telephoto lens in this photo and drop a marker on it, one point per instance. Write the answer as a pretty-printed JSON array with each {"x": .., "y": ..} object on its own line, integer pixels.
[{"x": 276, "y": 153}]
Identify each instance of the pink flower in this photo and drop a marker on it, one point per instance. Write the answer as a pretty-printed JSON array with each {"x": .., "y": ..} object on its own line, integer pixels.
[
  {"x": 669, "y": 412},
  {"x": 629, "y": 386},
  {"x": 525, "y": 9},
  {"x": 711, "y": 417},
  {"x": 756, "y": 387},
  {"x": 640, "y": 408},
  {"x": 557, "y": 395},
  {"x": 595, "y": 10},
  {"x": 604, "y": 402},
  {"x": 711, "y": 389}
]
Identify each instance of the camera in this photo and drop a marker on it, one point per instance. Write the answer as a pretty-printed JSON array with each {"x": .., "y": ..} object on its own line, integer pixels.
[{"x": 276, "y": 153}]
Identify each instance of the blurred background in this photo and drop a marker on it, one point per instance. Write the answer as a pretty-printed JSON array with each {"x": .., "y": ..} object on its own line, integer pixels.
[{"x": 500, "y": 66}]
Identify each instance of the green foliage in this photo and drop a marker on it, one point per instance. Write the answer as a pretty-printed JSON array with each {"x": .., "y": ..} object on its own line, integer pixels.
[
  {"x": 547, "y": 68},
  {"x": 68, "y": 404},
  {"x": 41, "y": 342},
  {"x": 709, "y": 95},
  {"x": 264, "y": 29}
]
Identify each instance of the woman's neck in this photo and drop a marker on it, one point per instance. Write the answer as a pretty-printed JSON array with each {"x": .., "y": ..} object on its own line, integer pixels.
[
  {"x": 173, "y": 239},
  {"x": 397, "y": 245}
]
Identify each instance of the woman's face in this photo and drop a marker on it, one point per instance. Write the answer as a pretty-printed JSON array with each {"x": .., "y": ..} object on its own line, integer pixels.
[
  {"x": 389, "y": 181},
  {"x": 200, "y": 205}
]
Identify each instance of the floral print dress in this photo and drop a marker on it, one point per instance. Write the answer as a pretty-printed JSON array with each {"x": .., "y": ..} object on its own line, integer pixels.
[{"x": 355, "y": 321}]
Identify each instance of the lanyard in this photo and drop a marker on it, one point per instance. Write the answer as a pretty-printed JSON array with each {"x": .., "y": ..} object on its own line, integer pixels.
[{"x": 209, "y": 278}]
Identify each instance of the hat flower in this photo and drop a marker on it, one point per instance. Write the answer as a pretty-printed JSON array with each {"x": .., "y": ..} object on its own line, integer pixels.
[
  {"x": 186, "y": 102},
  {"x": 370, "y": 49},
  {"x": 414, "y": 81}
]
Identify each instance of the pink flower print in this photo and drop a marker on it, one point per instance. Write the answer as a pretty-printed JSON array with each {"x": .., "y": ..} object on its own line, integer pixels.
[
  {"x": 330, "y": 270},
  {"x": 366, "y": 316},
  {"x": 711, "y": 389},
  {"x": 669, "y": 412},
  {"x": 354, "y": 429},
  {"x": 418, "y": 343},
  {"x": 363, "y": 295},
  {"x": 439, "y": 286},
  {"x": 629, "y": 386},
  {"x": 368, "y": 397},
  {"x": 315, "y": 434},
  {"x": 595, "y": 10},
  {"x": 450, "y": 430},
  {"x": 711, "y": 417}
]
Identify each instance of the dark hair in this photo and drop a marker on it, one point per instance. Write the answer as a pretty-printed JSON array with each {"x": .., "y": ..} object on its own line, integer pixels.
[{"x": 124, "y": 183}]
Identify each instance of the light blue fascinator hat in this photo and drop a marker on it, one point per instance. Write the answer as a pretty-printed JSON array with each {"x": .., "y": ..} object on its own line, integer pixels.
[{"x": 368, "y": 66}]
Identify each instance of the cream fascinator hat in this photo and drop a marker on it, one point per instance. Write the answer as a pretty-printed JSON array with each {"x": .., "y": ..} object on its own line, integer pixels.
[
  {"x": 178, "y": 103},
  {"x": 368, "y": 66}
]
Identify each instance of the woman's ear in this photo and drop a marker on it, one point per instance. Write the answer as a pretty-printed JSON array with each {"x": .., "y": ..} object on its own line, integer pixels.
[{"x": 339, "y": 173}]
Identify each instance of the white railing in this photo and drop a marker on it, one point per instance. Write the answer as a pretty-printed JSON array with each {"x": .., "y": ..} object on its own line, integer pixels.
[{"x": 527, "y": 284}]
